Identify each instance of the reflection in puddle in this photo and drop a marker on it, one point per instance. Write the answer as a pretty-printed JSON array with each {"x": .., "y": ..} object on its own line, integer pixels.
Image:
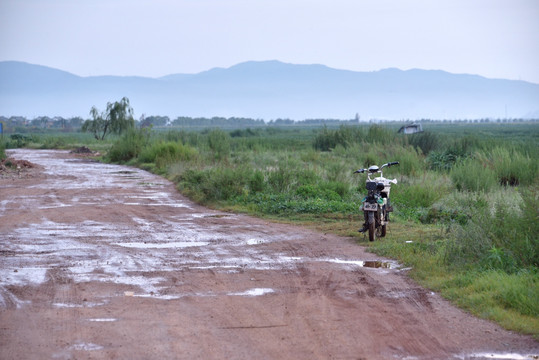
[{"x": 376, "y": 264}]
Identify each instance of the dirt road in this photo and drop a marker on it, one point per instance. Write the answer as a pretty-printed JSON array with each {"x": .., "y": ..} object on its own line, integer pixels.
[{"x": 109, "y": 262}]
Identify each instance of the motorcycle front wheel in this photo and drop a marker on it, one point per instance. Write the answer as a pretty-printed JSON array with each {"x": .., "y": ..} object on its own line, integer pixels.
[
  {"x": 372, "y": 230},
  {"x": 372, "y": 225}
]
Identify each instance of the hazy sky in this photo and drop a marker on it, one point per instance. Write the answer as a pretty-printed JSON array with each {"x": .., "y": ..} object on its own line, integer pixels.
[{"x": 492, "y": 38}]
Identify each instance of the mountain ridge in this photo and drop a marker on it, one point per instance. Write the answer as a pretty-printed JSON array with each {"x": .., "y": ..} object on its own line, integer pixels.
[{"x": 269, "y": 90}]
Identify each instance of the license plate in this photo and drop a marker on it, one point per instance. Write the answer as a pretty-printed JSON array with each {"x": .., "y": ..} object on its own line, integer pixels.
[{"x": 369, "y": 207}]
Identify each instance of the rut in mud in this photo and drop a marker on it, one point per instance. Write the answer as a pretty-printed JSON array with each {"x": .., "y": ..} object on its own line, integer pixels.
[{"x": 102, "y": 261}]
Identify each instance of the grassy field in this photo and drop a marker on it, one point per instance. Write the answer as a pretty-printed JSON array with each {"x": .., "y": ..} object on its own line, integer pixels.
[{"x": 466, "y": 202}]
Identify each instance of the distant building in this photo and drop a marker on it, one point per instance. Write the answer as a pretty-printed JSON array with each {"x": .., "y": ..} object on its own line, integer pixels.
[{"x": 411, "y": 129}]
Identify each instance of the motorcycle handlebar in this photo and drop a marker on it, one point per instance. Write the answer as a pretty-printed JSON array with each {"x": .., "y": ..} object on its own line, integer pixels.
[{"x": 361, "y": 171}]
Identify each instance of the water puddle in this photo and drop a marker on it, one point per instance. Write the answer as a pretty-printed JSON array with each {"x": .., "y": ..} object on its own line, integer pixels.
[
  {"x": 24, "y": 276},
  {"x": 375, "y": 264},
  {"x": 71, "y": 305},
  {"x": 253, "y": 292},
  {"x": 124, "y": 172},
  {"x": 103, "y": 320},
  {"x": 85, "y": 346},
  {"x": 177, "y": 244},
  {"x": 160, "y": 297},
  {"x": 254, "y": 241},
  {"x": 489, "y": 355},
  {"x": 379, "y": 264},
  {"x": 150, "y": 184}
]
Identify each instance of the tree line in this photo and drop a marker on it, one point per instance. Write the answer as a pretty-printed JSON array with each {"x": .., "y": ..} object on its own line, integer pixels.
[{"x": 118, "y": 116}]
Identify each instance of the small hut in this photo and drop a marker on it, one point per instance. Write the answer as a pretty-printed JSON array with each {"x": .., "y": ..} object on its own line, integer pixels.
[{"x": 411, "y": 129}]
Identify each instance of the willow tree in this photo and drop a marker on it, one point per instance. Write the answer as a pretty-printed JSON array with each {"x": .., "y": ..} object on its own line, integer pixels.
[{"x": 115, "y": 120}]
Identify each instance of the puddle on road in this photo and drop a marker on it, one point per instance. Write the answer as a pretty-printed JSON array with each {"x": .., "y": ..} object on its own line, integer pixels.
[
  {"x": 254, "y": 241},
  {"x": 376, "y": 264},
  {"x": 247, "y": 293},
  {"x": 124, "y": 172},
  {"x": 85, "y": 346},
  {"x": 169, "y": 245},
  {"x": 84, "y": 304},
  {"x": 150, "y": 184},
  {"x": 159, "y": 297},
  {"x": 253, "y": 292},
  {"x": 379, "y": 264},
  {"x": 491, "y": 355}
]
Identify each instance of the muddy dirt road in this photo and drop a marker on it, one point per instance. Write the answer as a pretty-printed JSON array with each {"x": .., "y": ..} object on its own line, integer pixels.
[{"x": 108, "y": 262}]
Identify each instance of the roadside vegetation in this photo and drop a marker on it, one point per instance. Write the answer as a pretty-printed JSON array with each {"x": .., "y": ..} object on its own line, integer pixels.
[{"x": 466, "y": 204}]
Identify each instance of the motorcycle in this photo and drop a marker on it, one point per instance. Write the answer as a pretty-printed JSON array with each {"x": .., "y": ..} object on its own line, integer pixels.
[{"x": 376, "y": 205}]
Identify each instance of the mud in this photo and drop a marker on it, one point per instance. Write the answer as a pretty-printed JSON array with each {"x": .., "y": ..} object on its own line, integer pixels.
[{"x": 109, "y": 262}]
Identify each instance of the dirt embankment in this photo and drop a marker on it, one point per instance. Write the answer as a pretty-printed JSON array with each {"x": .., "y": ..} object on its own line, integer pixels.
[{"x": 109, "y": 262}]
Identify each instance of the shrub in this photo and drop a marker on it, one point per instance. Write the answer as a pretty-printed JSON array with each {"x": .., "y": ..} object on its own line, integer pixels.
[
  {"x": 219, "y": 143},
  {"x": 281, "y": 179},
  {"x": 455, "y": 207},
  {"x": 411, "y": 163},
  {"x": 19, "y": 140},
  {"x": 256, "y": 182},
  {"x": 511, "y": 167},
  {"x": 244, "y": 133},
  {"x": 426, "y": 141},
  {"x": 337, "y": 187},
  {"x": 345, "y": 136},
  {"x": 380, "y": 135},
  {"x": 129, "y": 146},
  {"x": 284, "y": 204},
  {"x": 442, "y": 160},
  {"x": 471, "y": 175},
  {"x": 498, "y": 236},
  {"x": 165, "y": 153},
  {"x": 312, "y": 192},
  {"x": 215, "y": 184},
  {"x": 53, "y": 142},
  {"x": 420, "y": 192}
]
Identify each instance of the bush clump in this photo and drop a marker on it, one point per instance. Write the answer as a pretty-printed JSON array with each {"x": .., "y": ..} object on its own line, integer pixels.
[
  {"x": 165, "y": 153},
  {"x": 345, "y": 136},
  {"x": 129, "y": 145}
]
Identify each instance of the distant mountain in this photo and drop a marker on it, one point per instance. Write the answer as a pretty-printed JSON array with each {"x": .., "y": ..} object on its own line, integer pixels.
[{"x": 270, "y": 90}]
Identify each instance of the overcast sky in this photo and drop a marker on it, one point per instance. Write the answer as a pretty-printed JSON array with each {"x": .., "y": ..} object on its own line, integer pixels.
[{"x": 492, "y": 38}]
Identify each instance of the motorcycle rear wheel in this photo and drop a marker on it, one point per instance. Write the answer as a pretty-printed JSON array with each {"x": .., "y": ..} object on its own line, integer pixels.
[{"x": 383, "y": 232}]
